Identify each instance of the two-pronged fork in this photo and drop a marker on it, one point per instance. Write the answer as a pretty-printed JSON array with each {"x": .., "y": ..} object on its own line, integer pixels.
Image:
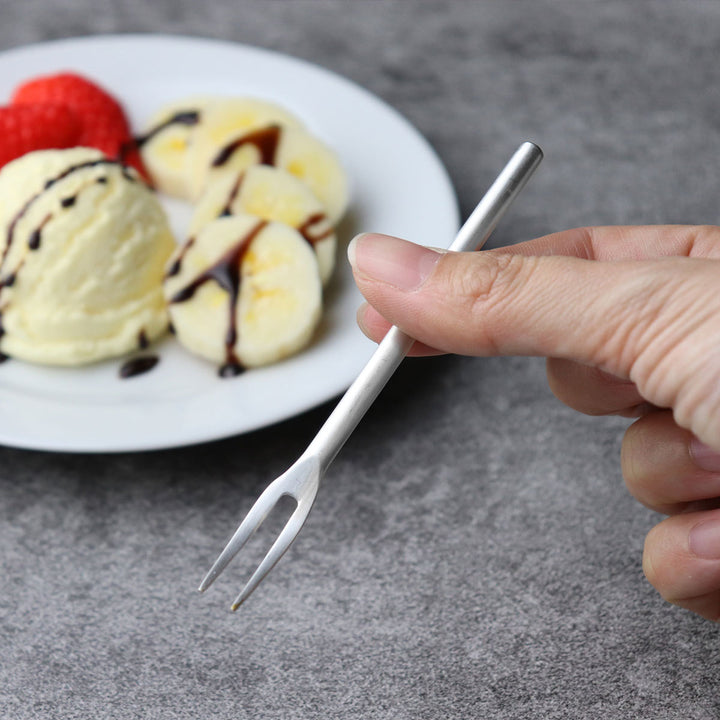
[{"x": 301, "y": 481}]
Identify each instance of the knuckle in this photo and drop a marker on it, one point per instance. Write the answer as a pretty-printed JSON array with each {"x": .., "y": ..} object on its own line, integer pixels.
[
  {"x": 485, "y": 290},
  {"x": 489, "y": 283},
  {"x": 671, "y": 333},
  {"x": 697, "y": 402}
]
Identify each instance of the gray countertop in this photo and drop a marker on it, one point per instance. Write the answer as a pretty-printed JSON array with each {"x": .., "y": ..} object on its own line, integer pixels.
[{"x": 474, "y": 553}]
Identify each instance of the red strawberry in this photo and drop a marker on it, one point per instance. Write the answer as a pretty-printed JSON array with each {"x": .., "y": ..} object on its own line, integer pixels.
[
  {"x": 95, "y": 107},
  {"x": 24, "y": 128},
  {"x": 104, "y": 125}
]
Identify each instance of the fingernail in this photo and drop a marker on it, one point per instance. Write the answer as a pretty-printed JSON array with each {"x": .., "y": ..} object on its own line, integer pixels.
[
  {"x": 704, "y": 539},
  {"x": 704, "y": 456},
  {"x": 390, "y": 260}
]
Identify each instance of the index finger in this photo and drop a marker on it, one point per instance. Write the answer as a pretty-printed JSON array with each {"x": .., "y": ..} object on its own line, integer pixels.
[{"x": 607, "y": 243}]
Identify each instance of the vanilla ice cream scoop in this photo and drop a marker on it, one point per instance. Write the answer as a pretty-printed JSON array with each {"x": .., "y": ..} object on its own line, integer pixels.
[{"x": 83, "y": 246}]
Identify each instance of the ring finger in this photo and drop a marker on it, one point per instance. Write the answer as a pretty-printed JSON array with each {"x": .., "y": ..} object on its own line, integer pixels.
[{"x": 666, "y": 468}]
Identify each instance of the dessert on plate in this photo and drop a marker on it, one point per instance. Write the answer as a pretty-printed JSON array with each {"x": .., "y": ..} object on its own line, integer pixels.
[{"x": 89, "y": 269}]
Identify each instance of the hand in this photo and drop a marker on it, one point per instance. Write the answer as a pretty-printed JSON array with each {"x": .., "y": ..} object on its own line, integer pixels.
[{"x": 629, "y": 319}]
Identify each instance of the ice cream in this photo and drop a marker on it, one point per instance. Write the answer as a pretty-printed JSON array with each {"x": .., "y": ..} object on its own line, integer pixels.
[
  {"x": 244, "y": 292},
  {"x": 83, "y": 247}
]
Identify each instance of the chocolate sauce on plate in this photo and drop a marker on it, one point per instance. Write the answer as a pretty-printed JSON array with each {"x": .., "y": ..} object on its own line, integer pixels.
[{"x": 138, "y": 366}]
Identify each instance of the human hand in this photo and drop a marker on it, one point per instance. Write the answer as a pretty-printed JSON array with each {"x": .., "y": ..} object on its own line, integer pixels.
[{"x": 629, "y": 319}]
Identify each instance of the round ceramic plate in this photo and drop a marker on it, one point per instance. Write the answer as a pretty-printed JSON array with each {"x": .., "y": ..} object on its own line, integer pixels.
[{"x": 398, "y": 187}]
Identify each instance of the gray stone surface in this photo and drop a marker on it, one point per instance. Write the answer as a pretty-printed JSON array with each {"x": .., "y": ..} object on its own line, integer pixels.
[{"x": 474, "y": 553}]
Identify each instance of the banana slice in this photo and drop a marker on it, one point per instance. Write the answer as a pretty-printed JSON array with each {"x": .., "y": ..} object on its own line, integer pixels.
[
  {"x": 224, "y": 120},
  {"x": 164, "y": 145},
  {"x": 244, "y": 292},
  {"x": 290, "y": 148},
  {"x": 271, "y": 194},
  {"x": 169, "y": 148}
]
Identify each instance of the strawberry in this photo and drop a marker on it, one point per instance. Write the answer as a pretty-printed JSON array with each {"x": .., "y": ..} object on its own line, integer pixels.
[
  {"x": 104, "y": 124},
  {"x": 24, "y": 128},
  {"x": 95, "y": 107}
]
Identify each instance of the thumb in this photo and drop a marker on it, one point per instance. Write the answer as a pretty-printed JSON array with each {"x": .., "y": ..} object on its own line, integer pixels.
[{"x": 654, "y": 321}]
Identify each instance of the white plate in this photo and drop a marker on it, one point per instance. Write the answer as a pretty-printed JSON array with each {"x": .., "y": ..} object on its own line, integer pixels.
[{"x": 398, "y": 186}]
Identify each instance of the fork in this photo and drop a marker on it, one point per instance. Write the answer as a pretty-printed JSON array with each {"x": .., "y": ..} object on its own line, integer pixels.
[{"x": 302, "y": 479}]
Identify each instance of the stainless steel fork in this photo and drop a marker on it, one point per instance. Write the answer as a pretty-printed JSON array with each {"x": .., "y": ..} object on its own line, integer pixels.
[{"x": 302, "y": 480}]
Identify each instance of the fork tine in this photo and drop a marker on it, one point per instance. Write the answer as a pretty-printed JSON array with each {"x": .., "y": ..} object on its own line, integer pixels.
[
  {"x": 255, "y": 517},
  {"x": 281, "y": 544}
]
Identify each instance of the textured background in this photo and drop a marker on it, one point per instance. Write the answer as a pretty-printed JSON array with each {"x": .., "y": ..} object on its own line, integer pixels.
[{"x": 474, "y": 553}]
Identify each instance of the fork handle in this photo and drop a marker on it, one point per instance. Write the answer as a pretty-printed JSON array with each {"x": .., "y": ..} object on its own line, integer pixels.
[{"x": 395, "y": 345}]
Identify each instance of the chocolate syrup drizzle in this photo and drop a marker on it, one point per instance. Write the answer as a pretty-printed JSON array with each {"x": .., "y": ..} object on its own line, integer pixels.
[
  {"x": 226, "y": 273},
  {"x": 36, "y": 235},
  {"x": 227, "y": 209},
  {"x": 266, "y": 140},
  {"x": 8, "y": 280},
  {"x": 306, "y": 229},
  {"x": 183, "y": 117},
  {"x": 174, "y": 269}
]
